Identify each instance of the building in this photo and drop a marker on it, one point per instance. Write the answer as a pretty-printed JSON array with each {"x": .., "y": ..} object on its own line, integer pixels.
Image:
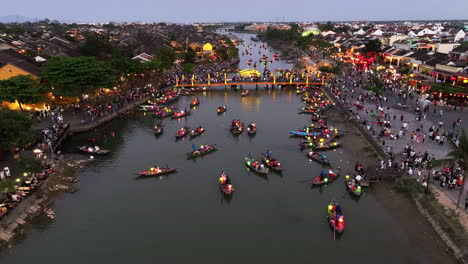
[{"x": 13, "y": 64}]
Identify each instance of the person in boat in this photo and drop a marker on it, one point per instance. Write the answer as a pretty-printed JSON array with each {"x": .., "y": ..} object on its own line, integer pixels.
[
  {"x": 268, "y": 154},
  {"x": 322, "y": 175},
  {"x": 96, "y": 148},
  {"x": 157, "y": 169},
  {"x": 358, "y": 178},
  {"x": 255, "y": 164},
  {"x": 262, "y": 167},
  {"x": 324, "y": 157},
  {"x": 331, "y": 174}
]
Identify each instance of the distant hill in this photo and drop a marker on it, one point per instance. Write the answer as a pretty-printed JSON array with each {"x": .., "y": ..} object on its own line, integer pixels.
[{"x": 15, "y": 18}]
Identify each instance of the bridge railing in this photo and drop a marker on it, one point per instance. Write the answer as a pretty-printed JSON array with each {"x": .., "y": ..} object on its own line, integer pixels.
[{"x": 216, "y": 81}]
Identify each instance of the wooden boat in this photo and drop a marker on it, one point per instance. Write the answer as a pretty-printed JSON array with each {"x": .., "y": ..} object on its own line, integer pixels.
[
  {"x": 310, "y": 110},
  {"x": 245, "y": 93},
  {"x": 155, "y": 171},
  {"x": 194, "y": 103},
  {"x": 182, "y": 132},
  {"x": 322, "y": 159},
  {"x": 163, "y": 113},
  {"x": 325, "y": 177},
  {"x": 158, "y": 130},
  {"x": 203, "y": 150},
  {"x": 180, "y": 114},
  {"x": 325, "y": 146},
  {"x": 198, "y": 131},
  {"x": 252, "y": 129},
  {"x": 272, "y": 163},
  {"x": 96, "y": 150},
  {"x": 335, "y": 217},
  {"x": 222, "y": 109},
  {"x": 237, "y": 127},
  {"x": 255, "y": 166},
  {"x": 298, "y": 133},
  {"x": 353, "y": 186},
  {"x": 225, "y": 184}
]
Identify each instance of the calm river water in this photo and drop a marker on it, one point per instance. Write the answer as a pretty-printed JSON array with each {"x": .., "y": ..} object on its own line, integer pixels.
[{"x": 184, "y": 218}]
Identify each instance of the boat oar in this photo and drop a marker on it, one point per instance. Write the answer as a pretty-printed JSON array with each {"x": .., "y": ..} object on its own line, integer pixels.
[{"x": 334, "y": 234}]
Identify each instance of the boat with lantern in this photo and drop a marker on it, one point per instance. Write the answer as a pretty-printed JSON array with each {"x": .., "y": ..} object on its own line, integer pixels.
[
  {"x": 225, "y": 184},
  {"x": 335, "y": 217},
  {"x": 325, "y": 177},
  {"x": 203, "y": 150},
  {"x": 155, "y": 171},
  {"x": 271, "y": 162},
  {"x": 256, "y": 166}
]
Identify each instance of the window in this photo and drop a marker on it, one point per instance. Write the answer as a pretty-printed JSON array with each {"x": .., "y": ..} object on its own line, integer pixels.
[{"x": 10, "y": 69}]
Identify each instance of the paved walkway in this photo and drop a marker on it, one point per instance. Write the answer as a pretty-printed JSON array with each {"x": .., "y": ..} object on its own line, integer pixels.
[{"x": 370, "y": 108}]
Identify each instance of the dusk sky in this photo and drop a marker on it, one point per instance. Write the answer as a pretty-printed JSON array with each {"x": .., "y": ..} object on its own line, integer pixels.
[{"x": 240, "y": 10}]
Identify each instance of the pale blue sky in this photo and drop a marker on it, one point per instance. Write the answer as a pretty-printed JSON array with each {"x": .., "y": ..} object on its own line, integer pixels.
[{"x": 238, "y": 10}]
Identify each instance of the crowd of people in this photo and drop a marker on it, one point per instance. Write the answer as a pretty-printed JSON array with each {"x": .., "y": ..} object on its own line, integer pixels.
[{"x": 399, "y": 120}]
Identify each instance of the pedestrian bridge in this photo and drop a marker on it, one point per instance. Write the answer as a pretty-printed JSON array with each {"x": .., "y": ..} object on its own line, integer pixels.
[{"x": 195, "y": 81}]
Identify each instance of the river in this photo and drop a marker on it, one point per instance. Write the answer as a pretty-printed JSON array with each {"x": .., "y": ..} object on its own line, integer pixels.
[{"x": 184, "y": 218}]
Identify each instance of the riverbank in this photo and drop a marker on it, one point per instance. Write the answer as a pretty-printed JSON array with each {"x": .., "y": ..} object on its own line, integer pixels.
[
  {"x": 58, "y": 182},
  {"x": 446, "y": 225}
]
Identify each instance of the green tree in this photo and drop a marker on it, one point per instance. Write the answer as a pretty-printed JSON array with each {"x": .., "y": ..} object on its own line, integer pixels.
[
  {"x": 29, "y": 164},
  {"x": 15, "y": 129},
  {"x": 459, "y": 155},
  {"x": 22, "y": 89},
  {"x": 124, "y": 65},
  {"x": 372, "y": 45},
  {"x": 189, "y": 55},
  {"x": 6, "y": 186},
  {"x": 188, "y": 67},
  {"x": 76, "y": 76},
  {"x": 96, "y": 46},
  {"x": 166, "y": 56}
]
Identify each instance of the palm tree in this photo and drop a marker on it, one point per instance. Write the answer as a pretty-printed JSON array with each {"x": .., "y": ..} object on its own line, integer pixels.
[{"x": 458, "y": 155}]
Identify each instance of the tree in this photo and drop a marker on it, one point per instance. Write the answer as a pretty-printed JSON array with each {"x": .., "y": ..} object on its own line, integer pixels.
[
  {"x": 124, "y": 65},
  {"x": 190, "y": 55},
  {"x": 15, "y": 129},
  {"x": 166, "y": 56},
  {"x": 372, "y": 45},
  {"x": 22, "y": 89},
  {"x": 458, "y": 155},
  {"x": 96, "y": 46},
  {"x": 6, "y": 186},
  {"x": 78, "y": 75},
  {"x": 29, "y": 164},
  {"x": 188, "y": 67}
]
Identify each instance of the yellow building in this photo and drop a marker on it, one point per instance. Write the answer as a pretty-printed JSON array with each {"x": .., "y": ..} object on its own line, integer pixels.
[
  {"x": 13, "y": 64},
  {"x": 207, "y": 47}
]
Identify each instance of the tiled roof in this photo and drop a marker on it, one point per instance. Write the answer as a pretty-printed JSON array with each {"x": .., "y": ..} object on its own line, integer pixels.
[{"x": 14, "y": 58}]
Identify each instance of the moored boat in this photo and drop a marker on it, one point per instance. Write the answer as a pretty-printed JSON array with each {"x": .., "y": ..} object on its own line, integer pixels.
[
  {"x": 326, "y": 145},
  {"x": 203, "y": 150},
  {"x": 335, "y": 217},
  {"x": 325, "y": 177},
  {"x": 94, "y": 150},
  {"x": 155, "y": 171},
  {"x": 256, "y": 166},
  {"x": 352, "y": 185},
  {"x": 320, "y": 158},
  {"x": 225, "y": 184}
]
